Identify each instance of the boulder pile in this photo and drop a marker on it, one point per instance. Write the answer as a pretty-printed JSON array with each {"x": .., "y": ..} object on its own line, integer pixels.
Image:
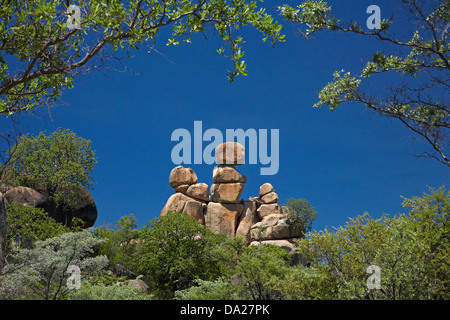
[{"x": 260, "y": 219}]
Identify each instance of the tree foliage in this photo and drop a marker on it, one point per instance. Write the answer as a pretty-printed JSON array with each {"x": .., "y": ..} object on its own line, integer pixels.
[
  {"x": 57, "y": 164},
  {"x": 419, "y": 98},
  {"x": 179, "y": 258},
  {"x": 40, "y": 55},
  {"x": 41, "y": 272},
  {"x": 26, "y": 222},
  {"x": 301, "y": 213},
  {"x": 175, "y": 250},
  {"x": 412, "y": 252}
]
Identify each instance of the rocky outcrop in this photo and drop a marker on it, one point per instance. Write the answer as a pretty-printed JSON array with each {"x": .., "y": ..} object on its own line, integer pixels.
[
  {"x": 260, "y": 219},
  {"x": 83, "y": 208}
]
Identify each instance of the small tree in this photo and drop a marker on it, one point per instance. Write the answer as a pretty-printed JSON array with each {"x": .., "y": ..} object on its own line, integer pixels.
[
  {"x": 301, "y": 213},
  {"x": 411, "y": 251},
  {"x": 26, "y": 222},
  {"x": 258, "y": 267},
  {"x": 119, "y": 244},
  {"x": 41, "y": 272},
  {"x": 175, "y": 250},
  {"x": 55, "y": 164}
]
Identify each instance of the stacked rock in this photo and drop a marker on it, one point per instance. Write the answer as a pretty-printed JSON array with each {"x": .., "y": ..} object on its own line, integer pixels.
[
  {"x": 190, "y": 197},
  {"x": 260, "y": 219},
  {"x": 274, "y": 224},
  {"x": 224, "y": 210}
]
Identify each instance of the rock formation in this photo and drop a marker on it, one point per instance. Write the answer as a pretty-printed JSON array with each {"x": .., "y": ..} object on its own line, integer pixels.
[
  {"x": 260, "y": 219},
  {"x": 84, "y": 208}
]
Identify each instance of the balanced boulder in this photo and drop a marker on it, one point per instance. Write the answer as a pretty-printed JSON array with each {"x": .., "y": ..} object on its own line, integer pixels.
[
  {"x": 268, "y": 209},
  {"x": 270, "y": 197},
  {"x": 227, "y": 174},
  {"x": 198, "y": 191},
  {"x": 230, "y": 153},
  {"x": 182, "y": 176},
  {"x": 226, "y": 192}
]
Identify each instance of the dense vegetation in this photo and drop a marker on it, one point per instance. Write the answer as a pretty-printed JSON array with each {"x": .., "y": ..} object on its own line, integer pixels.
[{"x": 180, "y": 259}]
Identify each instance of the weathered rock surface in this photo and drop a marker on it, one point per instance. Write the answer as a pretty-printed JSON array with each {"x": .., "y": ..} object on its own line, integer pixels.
[
  {"x": 223, "y": 217},
  {"x": 195, "y": 210},
  {"x": 273, "y": 227},
  {"x": 181, "y": 175},
  {"x": 225, "y": 174},
  {"x": 198, "y": 191},
  {"x": 182, "y": 188},
  {"x": 268, "y": 209},
  {"x": 28, "y": 196},
  {"x": 226, "y": 192},
  {"x": 83, "y": 208},
  {"x": 265, "y": 189},
  {"x": 230, "y": 153},
  {"x": 270, "y": 197},
  {"x": 247, "y": 219},
  {"x": 176, "y": 203}
]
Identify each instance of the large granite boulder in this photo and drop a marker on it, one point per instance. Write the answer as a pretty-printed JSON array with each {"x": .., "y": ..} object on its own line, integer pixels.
[
  {"x": 82, "y": 207},
  {"x": 230, "y": 153},
  {"x": 223, "y": 217},
  {"x": 227, "y": 174},
  {"x": 247, "y": 218},
  {"x": 226, "y": 192},
  {"x": 182, "y": 176}
]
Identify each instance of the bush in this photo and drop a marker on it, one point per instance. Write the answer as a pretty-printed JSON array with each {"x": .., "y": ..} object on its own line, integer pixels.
[
  {"x": 301, "y": 213},
  {"x": 41, "y": 272}
]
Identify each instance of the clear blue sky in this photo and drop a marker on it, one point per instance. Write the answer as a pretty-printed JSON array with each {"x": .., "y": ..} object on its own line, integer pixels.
[{"x": 345, "y": 162}]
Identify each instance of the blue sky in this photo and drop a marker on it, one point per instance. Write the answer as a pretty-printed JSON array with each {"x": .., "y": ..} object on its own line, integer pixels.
[{"x": 344, "y": 163}]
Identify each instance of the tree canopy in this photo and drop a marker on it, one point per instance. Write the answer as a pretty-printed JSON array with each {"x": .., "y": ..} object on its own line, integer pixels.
[
  {"x": 418, "y": 99},
  {"x": 57, "y": 164},
  {"x": 41, "y": 52}
]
